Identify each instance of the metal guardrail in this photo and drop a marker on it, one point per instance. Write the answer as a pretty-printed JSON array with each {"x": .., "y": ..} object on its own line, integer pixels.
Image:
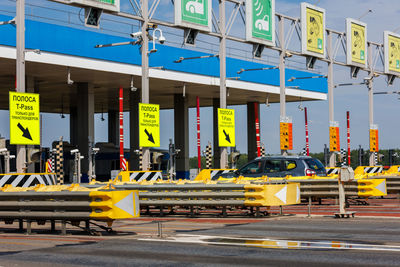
[
  {"x": 67, "y": 206},
  {"x": 392, "y": 183},
  {"x": 222, "y": 195},
  {"x": 330, "y": 187}
]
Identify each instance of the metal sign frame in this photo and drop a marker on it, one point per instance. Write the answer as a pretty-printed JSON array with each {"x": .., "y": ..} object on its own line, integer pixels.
[
  {"x": 101, "y": 4},
  {"x": 386, "y": 36},
  {"x": 303, "y": 18},
  {"x": 251, "y": 25},
  {"x": 349, "y": 43},
  {"x": 179, "y": 21}
]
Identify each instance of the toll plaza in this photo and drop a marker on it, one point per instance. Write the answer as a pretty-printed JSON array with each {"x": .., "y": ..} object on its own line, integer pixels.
[
  {"x": 142, "y": 70},
  {"x": 78, "y": 79},
  {"x": 83, "y": 58}
]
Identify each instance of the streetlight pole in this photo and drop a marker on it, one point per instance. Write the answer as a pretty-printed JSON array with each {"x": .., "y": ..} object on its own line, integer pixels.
[
  {"x": 20, "y": 47},
  {"x": 282, "y": 83},
  {"x": 145, "y": 73},
  {"x": 222, "y": 73},
  {"x": 332, "y": 156}
]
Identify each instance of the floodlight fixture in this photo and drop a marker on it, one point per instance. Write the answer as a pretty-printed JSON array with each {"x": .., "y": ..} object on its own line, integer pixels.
[
  {"x": 190, "y": 58},
  {"x": 304, "y": 78},
  {"x": 267, "y": 68}
]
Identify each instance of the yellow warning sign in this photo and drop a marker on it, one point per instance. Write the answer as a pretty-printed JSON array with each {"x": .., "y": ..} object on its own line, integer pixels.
[
  {"x": 373, "y": 140},
  {"x": 115, "y": 205},
  {"x": 358, "y": 43},
  {"x": 334, "y": 140},
  {"x": 394, "y": 53},
  {"x": 24, "y": 119},
  {"x": 315, "y": 30},
  {"x": 372, "y": 187},
  {"x": 286, "y": 134},
  {"x": 226, "y": 127},
  {"x": 149, "y": 125}
]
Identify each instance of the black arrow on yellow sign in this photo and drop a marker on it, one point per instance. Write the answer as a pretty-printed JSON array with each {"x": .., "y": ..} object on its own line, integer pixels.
[
  {"x": 25, "y": 132},
  {"x": 227, "y": 137},
  {"x": 149, "y": 136}
]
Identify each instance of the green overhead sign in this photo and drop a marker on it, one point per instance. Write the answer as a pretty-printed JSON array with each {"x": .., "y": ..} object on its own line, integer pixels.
[
  {"x": 107, "y": 5},
  {"x": 260, "y": 21},
  {"x": 194, "y": 14}
]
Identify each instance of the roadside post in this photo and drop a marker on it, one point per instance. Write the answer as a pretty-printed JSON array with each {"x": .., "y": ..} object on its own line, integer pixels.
[{"x": 346, "y": 174}]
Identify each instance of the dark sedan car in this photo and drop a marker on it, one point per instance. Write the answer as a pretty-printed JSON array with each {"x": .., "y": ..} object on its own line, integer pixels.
[{"x": 279, "y": 166}]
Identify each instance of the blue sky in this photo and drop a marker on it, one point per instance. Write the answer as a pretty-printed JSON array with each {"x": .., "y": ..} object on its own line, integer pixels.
[{"x": 354, "y": 98}]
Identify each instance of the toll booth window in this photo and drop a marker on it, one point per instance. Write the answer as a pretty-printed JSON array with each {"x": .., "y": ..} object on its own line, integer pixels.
[
  {"x": 272, "y": 166},
  {"x": 252, "y": 168},
  {"x": 290, "y": 165}
]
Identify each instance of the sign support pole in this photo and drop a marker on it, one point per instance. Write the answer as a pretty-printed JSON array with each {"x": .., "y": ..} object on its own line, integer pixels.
[
  {"x": 332, "y": 156},
  {"x": 121, "y": 130},
  {"x": 306, "y": 126},
  {"x": 198, "y": 134},
  {"x": 257, "y": 129},
  {"x": 20, "y": 45},
  {"x": 348, "y": 139},
  {"x": 145, "y": 74},
  {"x": 222, "y": 73},
  {"x": 282, "y": 72},
  {"x": 370, "y": 85}
]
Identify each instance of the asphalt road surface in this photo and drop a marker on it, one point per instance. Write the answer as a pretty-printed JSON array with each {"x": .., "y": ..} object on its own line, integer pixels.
[{"x": 278, "y": 241}]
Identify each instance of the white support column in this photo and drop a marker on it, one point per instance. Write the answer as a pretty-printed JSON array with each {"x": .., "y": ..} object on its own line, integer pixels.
[
  {"x": 332, "y": 155},
  {"x": 222, "y": 70},
  {"x": 20, "y": 46},
  {"x": 370, "y": 85},
  {"x": 282, "y": 81},
  {"x": 145, "y": 72}
]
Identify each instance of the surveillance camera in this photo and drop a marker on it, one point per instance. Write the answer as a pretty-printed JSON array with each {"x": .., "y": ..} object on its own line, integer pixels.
[
  {"x": 74, "y": 151},
  {"x": 96, "y": 149},
  {"x": 368, "y": 78},
  {"x": 3, "y": 150},
  {"x": 136, "y": 34},
  {"x": 161, "y": 39}
]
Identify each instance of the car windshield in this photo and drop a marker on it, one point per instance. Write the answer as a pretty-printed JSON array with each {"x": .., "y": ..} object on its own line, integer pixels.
[{"x": 314, "y": 164}]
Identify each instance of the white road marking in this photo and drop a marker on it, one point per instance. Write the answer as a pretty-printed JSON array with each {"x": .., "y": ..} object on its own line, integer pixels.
[{"x": 271, "y": 243}]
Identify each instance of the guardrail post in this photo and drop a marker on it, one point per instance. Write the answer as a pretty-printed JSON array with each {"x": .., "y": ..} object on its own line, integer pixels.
[
  {"x": 258, "y": 212},
  {"x": 309, "y": 207},
  {"x": 21, "y": 224},
  {"x": 28, "y": 227},
  {"x": 160, "y": 234},
  {"x": 191, "y": 211},
  {"x": 53, "y": 225},
  {"x": 63, "y": 227},
  {"x": 280, "y": 210},
  {"x": 87, "y": 225},
  {"x": 161, "y": 211},
  {"x": 224, "y": 211}
]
